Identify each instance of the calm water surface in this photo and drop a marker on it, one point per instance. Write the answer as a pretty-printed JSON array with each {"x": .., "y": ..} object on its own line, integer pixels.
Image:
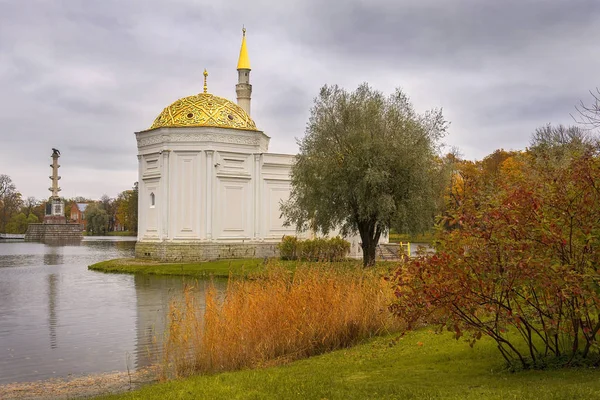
[{"x": 57, "y": 318}]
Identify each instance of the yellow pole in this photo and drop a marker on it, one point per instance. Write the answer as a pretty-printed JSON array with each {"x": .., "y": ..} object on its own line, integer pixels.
[{"x": 407, "y": 245}]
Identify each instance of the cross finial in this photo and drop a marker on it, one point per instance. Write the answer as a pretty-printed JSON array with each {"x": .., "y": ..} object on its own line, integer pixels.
[{"x": 205, "y": 76}]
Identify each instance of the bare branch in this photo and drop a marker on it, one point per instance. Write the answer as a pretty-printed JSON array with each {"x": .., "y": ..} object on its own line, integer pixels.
[{"x": 589, "y": 115}]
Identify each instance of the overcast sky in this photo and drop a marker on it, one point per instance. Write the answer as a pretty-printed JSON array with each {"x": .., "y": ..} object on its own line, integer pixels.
[{"x": 82, "y": 76}]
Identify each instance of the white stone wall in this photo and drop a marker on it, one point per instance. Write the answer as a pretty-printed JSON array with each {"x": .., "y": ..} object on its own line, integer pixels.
[
  {"x": 210, "y": 184},
  {"x": 213, "y": 185}
]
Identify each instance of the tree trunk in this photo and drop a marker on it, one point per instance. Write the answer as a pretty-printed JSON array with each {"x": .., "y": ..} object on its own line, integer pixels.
[
  {"x": 369, "y": 235},
  {"x": 369, "y": 253}
]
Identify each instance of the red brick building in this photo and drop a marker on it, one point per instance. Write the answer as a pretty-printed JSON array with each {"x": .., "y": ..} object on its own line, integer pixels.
[{"x": 78, "y": 214}]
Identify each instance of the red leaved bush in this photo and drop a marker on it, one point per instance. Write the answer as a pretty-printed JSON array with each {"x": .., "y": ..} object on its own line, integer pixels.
[{"x": 520, "y": 262}]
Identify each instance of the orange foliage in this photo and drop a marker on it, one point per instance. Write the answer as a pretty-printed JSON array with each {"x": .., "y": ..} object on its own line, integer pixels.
[
  {"x": 519, "y": 259},
  {"x": 279, "y": 317}
]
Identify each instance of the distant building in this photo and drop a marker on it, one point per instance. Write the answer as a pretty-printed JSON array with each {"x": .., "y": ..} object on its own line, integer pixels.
[{"x": 78, "y": 214}]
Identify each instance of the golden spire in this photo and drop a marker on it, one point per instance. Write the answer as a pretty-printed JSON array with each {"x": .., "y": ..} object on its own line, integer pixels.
[
  {"x": 205, "y": 76},
  {"x": 244, "y": 61}
]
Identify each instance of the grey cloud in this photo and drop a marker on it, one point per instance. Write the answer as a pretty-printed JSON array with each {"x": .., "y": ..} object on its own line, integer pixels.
[
  {"x": 83, "y": 75},
  {"x": 450, "y": 32}
]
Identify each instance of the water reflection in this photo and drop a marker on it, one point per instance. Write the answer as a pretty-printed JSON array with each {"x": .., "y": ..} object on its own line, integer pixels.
[
  {"x": 57, "y": 318},
  {"x": 62, "y": 242},
  {"x": 52, "y": 318},
  {"x": 154, "y": 294},
  {"x": 53, "y": 257}
]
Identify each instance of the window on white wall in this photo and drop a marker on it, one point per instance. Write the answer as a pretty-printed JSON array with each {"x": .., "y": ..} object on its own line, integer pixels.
[{"x": 152, "y": 200}]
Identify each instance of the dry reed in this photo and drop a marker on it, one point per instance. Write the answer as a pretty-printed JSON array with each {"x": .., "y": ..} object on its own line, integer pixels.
[{"x": 278, "y": 317}]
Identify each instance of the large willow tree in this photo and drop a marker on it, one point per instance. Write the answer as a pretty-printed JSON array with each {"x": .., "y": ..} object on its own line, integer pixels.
[{"x": 366, "y": 163}]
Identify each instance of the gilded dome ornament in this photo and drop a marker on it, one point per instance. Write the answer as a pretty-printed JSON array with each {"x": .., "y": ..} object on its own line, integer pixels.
[
  {"x": 205, "y": 76},
  {"x": 204, "y": 109}
]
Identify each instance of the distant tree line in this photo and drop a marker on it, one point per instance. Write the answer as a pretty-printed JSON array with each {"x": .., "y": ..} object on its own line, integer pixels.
[
  {"x": 111, "y": 214},
  {"x": 15, "y": 212},
  {"x": 102, "y": 216}
]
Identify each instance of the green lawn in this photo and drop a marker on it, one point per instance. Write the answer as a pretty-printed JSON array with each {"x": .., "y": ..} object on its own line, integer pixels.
[
  {"x": 421, "y": 365},
  {"x": 219, "y": 268}
]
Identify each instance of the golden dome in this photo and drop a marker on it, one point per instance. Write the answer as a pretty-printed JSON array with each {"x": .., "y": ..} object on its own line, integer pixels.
[{"x": 204, "y": 109}]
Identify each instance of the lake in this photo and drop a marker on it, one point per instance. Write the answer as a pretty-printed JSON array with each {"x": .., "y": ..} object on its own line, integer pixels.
[{"x": 58, "y": 319}]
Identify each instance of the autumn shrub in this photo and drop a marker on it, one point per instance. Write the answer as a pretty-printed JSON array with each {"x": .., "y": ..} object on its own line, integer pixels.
[
  {"x": 520, "y": 264},
  {"x": 277, "y": 317},
  {"x": 318, "y": 249},
  {"x": 288, "y": 248},
  {"x": 338, "y": 249},
  {"x": 312, "y": 249}
]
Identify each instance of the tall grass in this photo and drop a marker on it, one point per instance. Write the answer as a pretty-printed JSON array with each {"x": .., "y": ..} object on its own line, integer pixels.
[{"x": 278, "y": 317}]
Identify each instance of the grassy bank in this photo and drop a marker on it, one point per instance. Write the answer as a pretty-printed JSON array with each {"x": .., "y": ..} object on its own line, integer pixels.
[
  {"x": 262, "y": 324},
  {"x": 421, "y": 365},
  {"x": 217, "y": 269}
]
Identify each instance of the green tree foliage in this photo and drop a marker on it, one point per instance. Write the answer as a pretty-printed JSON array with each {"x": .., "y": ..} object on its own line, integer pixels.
[
  {"x": 133, "y": 208},
  {"x": 521, "y": 264},
  {"x": 367, "y": 163},
  {"x": 109, "y": 205},
  {"x": 126, "y": 205},
  {"x": 97, "y": 219},
  {"x": 10, "y": 201},
  {"x": 19, "y": 222},
  {"x": 30, "y": 205}
]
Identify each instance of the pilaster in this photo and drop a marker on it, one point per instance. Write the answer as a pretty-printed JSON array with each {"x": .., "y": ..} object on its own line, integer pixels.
[
  {"x": 141, "y": 209},
  {"x": 164, "y": 201},
  {"x": 209, "y": 192},
  {"x": 257, "y": 196}
]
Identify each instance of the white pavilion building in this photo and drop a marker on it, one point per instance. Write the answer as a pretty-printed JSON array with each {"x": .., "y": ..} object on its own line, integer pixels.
[{"x": 208, "y": 187}]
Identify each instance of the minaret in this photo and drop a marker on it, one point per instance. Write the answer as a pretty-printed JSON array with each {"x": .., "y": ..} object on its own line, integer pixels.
[{"x": 244, "y": 88}]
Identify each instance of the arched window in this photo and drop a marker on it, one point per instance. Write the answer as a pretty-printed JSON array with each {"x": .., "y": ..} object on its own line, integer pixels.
[{"x": 152, "y": 200}]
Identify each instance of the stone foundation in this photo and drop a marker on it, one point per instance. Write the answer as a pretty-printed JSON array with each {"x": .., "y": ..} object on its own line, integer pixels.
[
  {"x": 198, "y": 251},
  {"x": 54, "y": 233},
  {"x": 55, "y": 219}
]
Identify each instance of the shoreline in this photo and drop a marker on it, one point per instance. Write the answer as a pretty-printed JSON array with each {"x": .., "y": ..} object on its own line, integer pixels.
[{"x": 108, "y": 383}]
